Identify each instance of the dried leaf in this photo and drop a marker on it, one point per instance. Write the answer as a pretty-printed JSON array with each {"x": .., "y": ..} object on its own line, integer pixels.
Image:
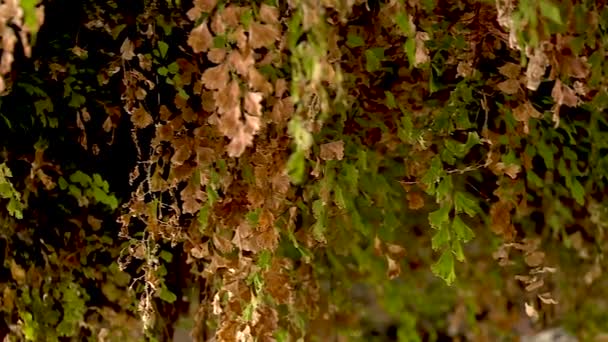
[
  {"x": 127, "y": 50},
  {"x": 531, "y": 311},
  {"x": 535, "y": 259},
  {"x": 535, "y": 285},
  {"x": 17, "y": 272},
  {"x": 222, "y": 244},
  {"x": 216, "y": 77},
  {"x": 216, "y": 55},
  {"x": 262, "y": 35},
  {"x": 500, "y": 215},
  {"x": 546, "y": 298},
  {"x": 422, "y": 53},
  {"x": 415, "y": 200},
  {"x": 200, "y": 39},
  {"x": 536, "y": 68},
  {"x": 253, "y": 104},
  {"x": 269, "y": 14},
  {"x": 141, "y": 118},
  {"x": 394, "y": 268},
  {"x": 510, "y": 86},
  {"x": 282, "y": 111},
  {"x": 510, "y": 70},
  {"x": 332, "y": 151}
]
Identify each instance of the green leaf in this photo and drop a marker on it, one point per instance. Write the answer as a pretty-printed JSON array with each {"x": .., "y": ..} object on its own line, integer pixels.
[
  {"x": 463, "y": 232},
  {"x": 163, "y": 71},
  {"x": 463, "y": 202},
  {"x": 410, "y": 50},
  {"x": 372, "y": 63},
  {"x": 444, "y": 267},
  {"x": 441, "y": 238},
  {"x": 81, "y": 178},
  {"x": 203, "y": 217},
  {"x": 403, "y": 23},
  {"x": 167, "y": 295},
  {"x": 391, "y": 103},
  {"x": 440, "y": 217},
  {"x": 296, "y": 167},
  {"x": 550, "y": 11},
  {"x": 578, "y": 192},
  {"x": 163, "y": 48},
  {"x": 457, "y": 250},
  {"x": 166, "y": 255},
  {"x": 353, "y": 41}
]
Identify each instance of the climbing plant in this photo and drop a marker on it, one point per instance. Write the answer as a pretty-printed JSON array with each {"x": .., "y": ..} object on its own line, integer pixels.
[{"x": 292, "y": 170}]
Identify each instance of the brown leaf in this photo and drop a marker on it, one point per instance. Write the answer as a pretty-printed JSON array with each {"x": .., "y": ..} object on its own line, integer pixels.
[
  {"x": 227, "y": 98},
  {"x": 191, "y": 196},
  {"x": 510, "y": 70},
  {"x": 253, "y": 104},
  {"x": 127, "y": 50},
  {"x": 242, "y": 61},
  {"x": 394, "y": 268},
  {"x": 262, "y": 35},
  {"x": 510, "y": 86},
  {"x": 201, "y": 6},
  {"x": 17, "y": 272},
  {"x": 422, "y": 53},
  {"x": 200, "y": 251},
  {"x": 535, "y": 285},
  {"x": 332, "y": 151},
  {"x": 141, "y": 118},
  {"x": 258, "y": 82},
  {"x": 216, "y": 77},
  {"x": 546, "y": 298},
  {"x": 536, "y": 68},
  {"x": 200, "y": 39},
  {"x": 524, "y": 112},
  {"x": 531, "y": 311},
  {"x": 182, "y": 153},
  {"x": 216, "y": 55},
  {"x": 94, "y": 222},
  {"x": 562, "y": 94},
  {"x": 282, "y": 111},
  {"x": 534, "y": 259},
  {"x": 269, "y": 14},
  {"x": 222, "y": 244},
  {"x": 510, "y": 170},
  {"x": 415, "y": 200},
  {"x": 500, "y": 215}
]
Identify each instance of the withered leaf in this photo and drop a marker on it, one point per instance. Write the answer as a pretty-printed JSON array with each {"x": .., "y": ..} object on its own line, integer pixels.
[
  {"x": 222, "y": 244},
  {"x": 269, "y": 14},
  {"x": 200, "y": 39},
  {"x": 535, "y": 285},
  {"x": 510, "y": 86},
  {"x": 415, "y": 200},
  {"x": 332, "y": 151},
  {"x": 253, "y": 104},
  {"x": 262, "y": 35},
  {"x": 536, "y": 68},
  {"x": 562, "y": 94},
  {"x": 531, "y": 311},
  {"x": 127, "y": 50},
  {"x": 17, "y": 272},
  {"x": 510, "y": 70},
  {"x": 394, "y": 268},
  {"x": 216, "y": 55},
  {"x": 282, "y": 110},
  {"x": 216, "y": 77},
  {"x": 141, "y": 118},
  {"x": 547, "y": 299},
  {"x": 535, "y": 259}
]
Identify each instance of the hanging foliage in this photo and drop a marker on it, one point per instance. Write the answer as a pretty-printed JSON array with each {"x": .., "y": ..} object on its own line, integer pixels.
[{"x": 304, "y": 169}]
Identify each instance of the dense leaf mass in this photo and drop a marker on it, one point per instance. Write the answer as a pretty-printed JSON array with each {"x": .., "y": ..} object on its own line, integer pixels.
[{"x": 282, "y": 170}]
